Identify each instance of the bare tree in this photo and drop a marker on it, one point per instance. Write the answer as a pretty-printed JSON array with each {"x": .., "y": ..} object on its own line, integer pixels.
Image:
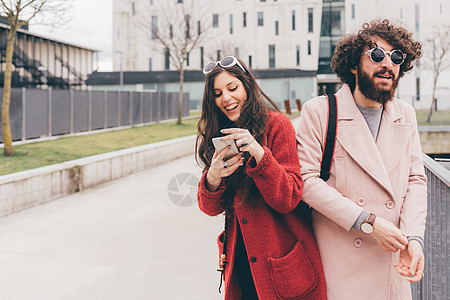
[
  {"x": 437, "y": 47},
  {"x": 222, "y": 48},
  {"x": 181, "y": 28},
  {"x": 20, "y": 13}
]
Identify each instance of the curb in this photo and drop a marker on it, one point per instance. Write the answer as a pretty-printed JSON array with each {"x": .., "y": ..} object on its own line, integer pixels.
[{"x": 26, "y": 189}]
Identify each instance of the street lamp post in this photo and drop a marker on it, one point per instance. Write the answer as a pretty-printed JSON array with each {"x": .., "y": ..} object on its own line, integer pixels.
[{"x": 121, "y": 68}]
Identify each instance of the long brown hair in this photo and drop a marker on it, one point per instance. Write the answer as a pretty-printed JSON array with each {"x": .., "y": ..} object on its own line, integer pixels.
[{"x": 253, "y": 117}]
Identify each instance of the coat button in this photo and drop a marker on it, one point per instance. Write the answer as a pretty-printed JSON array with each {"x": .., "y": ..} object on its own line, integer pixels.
[
  {"x": 357, "y": 243},
  {"x": 244, "y": 221},
  {"x": 253, "y": 259},
  {"x": 361, "y": 201},
  {"x": 390, "y": 204}
]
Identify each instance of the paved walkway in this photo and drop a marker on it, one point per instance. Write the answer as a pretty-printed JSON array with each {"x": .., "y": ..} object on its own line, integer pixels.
[{"x": 122, "y": 240}]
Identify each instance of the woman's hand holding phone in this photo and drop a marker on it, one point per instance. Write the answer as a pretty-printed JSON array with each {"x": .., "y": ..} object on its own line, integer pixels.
[
  {"x": 245, "y": 142},
  {"x": 222, "y": 168}
]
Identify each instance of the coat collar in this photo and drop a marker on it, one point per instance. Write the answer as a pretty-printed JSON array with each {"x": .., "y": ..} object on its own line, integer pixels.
[{"x": 377, "y": 159}]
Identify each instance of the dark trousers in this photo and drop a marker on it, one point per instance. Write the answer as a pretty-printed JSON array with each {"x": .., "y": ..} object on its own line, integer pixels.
[{"x": 242, "y": 269}]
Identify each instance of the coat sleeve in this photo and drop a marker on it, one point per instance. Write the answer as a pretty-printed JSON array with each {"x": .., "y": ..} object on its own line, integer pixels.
[
  {"x": 277, "y": 175},
  {"x": 211, "y": 203},
  {"x": 414, "y": 209},
  {"x": 317, "y": 193}
]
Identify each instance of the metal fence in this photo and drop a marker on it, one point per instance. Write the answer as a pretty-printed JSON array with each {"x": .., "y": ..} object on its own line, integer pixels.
[
  {"x": 36, "y": 113},
  {"x": 436, "y": 283}
]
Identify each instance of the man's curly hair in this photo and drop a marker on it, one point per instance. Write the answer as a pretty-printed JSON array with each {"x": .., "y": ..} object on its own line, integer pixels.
[{"x": 347, "y": 54}]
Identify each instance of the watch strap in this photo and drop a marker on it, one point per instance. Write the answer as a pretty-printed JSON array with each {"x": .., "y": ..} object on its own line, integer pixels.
[{"x": 371, "y": 219}]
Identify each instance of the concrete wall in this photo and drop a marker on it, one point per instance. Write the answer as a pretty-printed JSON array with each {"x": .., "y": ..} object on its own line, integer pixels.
[
  {"x": 435, "y": 139},
  {"x": 22, "y": 190}
]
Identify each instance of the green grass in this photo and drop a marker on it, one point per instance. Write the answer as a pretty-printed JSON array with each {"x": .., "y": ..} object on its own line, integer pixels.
[
  {"x": 39, "y": 154},
  {"x": 440, "y": 117}
]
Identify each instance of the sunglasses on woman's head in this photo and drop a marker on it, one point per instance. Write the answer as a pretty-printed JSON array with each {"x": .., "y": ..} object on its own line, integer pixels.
[
  {"x": 377, "y": 55},
  {"x": 226, "y": 62}
]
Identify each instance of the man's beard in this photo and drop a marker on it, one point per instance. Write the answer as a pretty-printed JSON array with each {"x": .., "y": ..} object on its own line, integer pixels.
[{"x": 369, "y": 89}]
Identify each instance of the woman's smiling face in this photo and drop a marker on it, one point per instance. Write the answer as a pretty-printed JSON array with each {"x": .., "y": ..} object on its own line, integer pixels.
[{"x": 230, "y": 95}]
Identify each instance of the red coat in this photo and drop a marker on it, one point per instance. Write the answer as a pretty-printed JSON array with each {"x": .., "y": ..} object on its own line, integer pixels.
[{"x": 283, "y": 255}]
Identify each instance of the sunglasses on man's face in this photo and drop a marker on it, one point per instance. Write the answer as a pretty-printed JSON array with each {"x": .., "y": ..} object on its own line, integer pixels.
[
  {"x": 377, "y": 55},
  {"x": 226, "y": 62}
]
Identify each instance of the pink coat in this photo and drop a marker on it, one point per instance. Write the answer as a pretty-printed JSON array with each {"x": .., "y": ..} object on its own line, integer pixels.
[{"x": 386, "y": 178}]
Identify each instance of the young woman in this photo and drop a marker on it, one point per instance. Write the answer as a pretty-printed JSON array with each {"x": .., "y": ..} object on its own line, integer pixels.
[{"x": 267, "y": 250}]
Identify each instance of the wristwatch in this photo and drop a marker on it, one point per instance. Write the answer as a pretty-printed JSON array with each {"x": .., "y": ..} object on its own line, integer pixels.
[{"x": 367, "y": 225}]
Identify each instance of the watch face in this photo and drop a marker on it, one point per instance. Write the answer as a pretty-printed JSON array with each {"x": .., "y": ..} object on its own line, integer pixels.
[{"x": 366, "y": 228}]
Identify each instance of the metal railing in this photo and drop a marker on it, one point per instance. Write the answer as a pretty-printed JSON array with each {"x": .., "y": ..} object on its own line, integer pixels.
[
  {"x": 36, "y": 113},
  {"x": 436, "y": 283}
]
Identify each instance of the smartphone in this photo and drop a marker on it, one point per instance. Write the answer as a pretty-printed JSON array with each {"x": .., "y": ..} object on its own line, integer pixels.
[{"x": 220, "y": 145}]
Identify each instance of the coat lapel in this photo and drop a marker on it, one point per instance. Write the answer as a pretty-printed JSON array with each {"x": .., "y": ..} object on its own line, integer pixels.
[{"x": 354, "y": 135}]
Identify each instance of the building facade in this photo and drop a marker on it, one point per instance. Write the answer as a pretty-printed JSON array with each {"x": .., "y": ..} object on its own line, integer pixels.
[
  {"x": 273, "y": 35},
  {"x": 40, "y": 61}
]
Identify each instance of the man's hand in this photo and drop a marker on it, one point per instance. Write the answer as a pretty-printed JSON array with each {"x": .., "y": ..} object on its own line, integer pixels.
[
  {"x": 412, "y": 262},
  {"x": 388, "y": 236}
]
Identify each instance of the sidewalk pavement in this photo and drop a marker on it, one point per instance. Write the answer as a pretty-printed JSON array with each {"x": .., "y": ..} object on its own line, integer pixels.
[{"x": 122, "y": 240}]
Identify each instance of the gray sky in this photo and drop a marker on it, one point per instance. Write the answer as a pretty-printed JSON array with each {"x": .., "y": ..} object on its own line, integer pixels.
[{"x": 90, "y": 27}]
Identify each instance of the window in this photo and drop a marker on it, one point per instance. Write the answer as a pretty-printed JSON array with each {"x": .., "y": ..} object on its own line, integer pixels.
[
  {"x": 202, "y": 61},
  {"x": 310, "y": 20},
  {"x": 133, "y": 8},
  {"x": 151, "y": 2},
  {"x": 418, "y": 88},
  {"x": 236, "y": 52},
  {"x": 298, "y": 56},
  {"x": 417, "y": 17},
  {"x": 293, "y": 20},
  {"x": 179, "y": 1},
  {"x": 215, "y": 20},
  {"x": 332, "y": 21},
  {"x": 250, "y": 61},
  {"x": 309, "y": 47},
  {"x": 188, "y": 26},
  {"x": 218, "y": 55},
  {"x": 263, "y": 0},
  {"x": 276, "y": 28},
  {"x": 244, "y": 19},
  {"x": 353, "y": 11},
  {"x": 260, "y": 18},
  {"x": 154, "y": 27},
  {"x": 150, "y": 64},
  {"x": 166, "y": 59},
  {"x": 271, "y": 56},
  {"x": 171, "y": 31},
  {"x": 187, "y": 59},
  {"x": 199, "y": 28},
  {"x": 231, "y": 24}
]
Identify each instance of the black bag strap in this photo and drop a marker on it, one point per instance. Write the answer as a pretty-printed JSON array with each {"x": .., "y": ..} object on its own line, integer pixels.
[{"x": 330, "y": 140}]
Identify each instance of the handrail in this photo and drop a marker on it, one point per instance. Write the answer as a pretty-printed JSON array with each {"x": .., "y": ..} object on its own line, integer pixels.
[{"x": 441, "y": 172}]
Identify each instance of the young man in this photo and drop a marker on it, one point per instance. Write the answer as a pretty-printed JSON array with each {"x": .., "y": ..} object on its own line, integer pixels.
[{"x": 369, "y": 217}]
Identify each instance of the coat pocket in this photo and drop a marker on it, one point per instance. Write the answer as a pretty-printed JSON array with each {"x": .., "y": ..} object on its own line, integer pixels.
[
  {"x": 294, "y": 275},
  {"x": 341, "y": 175}
]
